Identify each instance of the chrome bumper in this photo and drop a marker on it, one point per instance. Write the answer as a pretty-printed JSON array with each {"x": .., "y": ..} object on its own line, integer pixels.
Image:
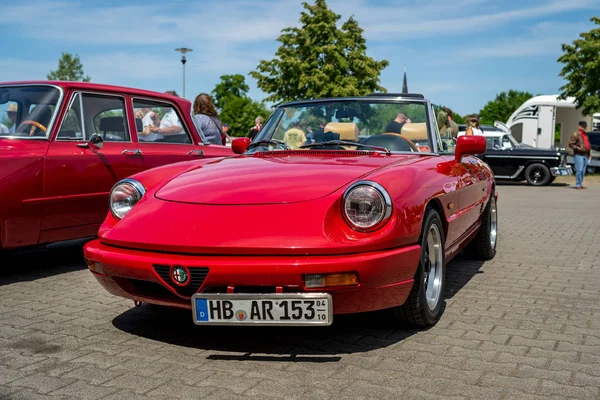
[{"x": 562, "y": 171}]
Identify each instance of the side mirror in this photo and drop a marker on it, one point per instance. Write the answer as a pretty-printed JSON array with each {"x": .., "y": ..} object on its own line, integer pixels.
[
  {"x": 239, "y": 145},
  {"x": 469, "y": 145},
  {"x": 96, "y": 141}
]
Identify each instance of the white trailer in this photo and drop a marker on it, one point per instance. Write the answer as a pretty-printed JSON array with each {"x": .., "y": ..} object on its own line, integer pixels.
[
  {"x": 547, "y": 122},
  {"x": 537, "y": 120}
]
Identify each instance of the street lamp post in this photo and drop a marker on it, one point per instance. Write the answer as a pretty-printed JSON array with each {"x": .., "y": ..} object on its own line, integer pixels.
[{"x": 183, "y": 50}]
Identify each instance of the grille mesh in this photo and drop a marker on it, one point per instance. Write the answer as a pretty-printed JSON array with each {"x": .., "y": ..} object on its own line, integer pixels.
[{"x": 197, "y": 276}]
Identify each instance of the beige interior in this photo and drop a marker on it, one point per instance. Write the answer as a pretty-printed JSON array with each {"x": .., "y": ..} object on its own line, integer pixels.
[
  {"x": 347, "y": 130},
  {"x": 415, "y": 131}
]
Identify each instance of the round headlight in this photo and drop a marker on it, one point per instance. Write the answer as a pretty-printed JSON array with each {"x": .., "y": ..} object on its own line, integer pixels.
[
  {"x": 366, "y": 206},
  {"x": 124, "y": 195}
]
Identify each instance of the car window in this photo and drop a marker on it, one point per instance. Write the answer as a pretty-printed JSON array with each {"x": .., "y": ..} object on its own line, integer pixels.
[
  {"x": 158, "y": 122},
  {"x": 101, "y": 114},
  {"x": 493, "y": 143},
  {"x": 71, "y": 125}
]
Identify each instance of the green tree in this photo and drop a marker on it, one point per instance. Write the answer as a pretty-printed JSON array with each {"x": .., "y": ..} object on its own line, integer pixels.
[
  {"x": 501, "y": 108},
  {"x": 239, "y": 113},
  {"x": 581, "y": 70},
  {"x": 318, "y": 60},
  {"x": 235, "y": 107},
  {"x": 230, "y": 86},
  {"x": 69, "y": 69}
]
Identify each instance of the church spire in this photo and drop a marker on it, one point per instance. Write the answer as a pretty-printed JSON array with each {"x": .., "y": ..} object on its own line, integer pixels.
[{"x": 404, "y": 85}]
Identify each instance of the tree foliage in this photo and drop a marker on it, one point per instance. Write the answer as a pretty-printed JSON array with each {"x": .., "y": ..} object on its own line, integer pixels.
[
  {"x": 318, "y": 60},
  {"x": 581, "y": 70},
  {"x": 235, "y": 107},
  {"x": 230, "y": 86},
  {"x": 502, "y": 107},
  {"x": 69, "y": 69}
]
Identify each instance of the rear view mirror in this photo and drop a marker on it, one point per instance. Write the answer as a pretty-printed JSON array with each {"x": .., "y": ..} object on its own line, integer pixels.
[{"x": 4, "y": 96}]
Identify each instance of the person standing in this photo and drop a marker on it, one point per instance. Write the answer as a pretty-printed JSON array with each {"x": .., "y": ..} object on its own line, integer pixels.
[
  {"x": 473, "y": 126},
  {"x": 453, "y": 126},
  {"x": 582, "y": 154},
  {"x": 258, "y": 121},
  {"x": 206, "y": 115}
]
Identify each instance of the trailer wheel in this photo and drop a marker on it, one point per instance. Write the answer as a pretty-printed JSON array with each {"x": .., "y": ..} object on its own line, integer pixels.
[{"x": 537, "y": 174}]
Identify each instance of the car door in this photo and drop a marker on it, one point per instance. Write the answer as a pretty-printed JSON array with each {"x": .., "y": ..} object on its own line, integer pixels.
[
  {"x": 498, "y": 158},
  {"x": 163, "y": 135},
  {"x": 77, "y": 176},
  {"x": 470, "y": 190}
]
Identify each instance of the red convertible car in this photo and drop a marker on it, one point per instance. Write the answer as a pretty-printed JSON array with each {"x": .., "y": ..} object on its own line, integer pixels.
[
  {"x": 305, "y": 223},
  {"x": 63, "y": 145}
]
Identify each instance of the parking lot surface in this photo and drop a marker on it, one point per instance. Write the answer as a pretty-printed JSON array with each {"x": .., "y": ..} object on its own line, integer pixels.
[{"x": 524, "y": 325}]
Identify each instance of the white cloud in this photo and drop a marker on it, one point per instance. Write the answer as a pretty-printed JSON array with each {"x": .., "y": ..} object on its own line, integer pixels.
[{"x": 543, "y": 39}]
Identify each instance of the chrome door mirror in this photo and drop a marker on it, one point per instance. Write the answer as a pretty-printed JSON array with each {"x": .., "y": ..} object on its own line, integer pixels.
[{"x": 96, "y": 141}]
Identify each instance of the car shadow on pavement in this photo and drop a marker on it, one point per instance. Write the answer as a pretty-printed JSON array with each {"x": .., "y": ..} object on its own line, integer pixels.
[
  {"x": 348, "y": 334},
  {"x": 41, "y": 262},
  {"x": 459, "y": 272}
]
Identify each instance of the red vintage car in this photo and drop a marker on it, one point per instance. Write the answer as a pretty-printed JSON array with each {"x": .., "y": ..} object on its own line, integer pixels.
[
  {"x": 63, "y": 145},
  {"x": 331, "y": 209}
]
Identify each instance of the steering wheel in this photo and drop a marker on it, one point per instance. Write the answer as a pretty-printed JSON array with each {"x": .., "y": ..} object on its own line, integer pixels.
[{"x": 35, "y": 123}]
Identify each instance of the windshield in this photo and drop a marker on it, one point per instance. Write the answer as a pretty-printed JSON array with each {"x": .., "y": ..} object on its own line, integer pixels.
[
  {"x": 356, "y": 125},
  {"x": 28, "y": 111}
]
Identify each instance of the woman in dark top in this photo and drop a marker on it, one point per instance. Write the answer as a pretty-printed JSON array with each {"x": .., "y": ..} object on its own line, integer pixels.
[{"x": 206, "y": 116}]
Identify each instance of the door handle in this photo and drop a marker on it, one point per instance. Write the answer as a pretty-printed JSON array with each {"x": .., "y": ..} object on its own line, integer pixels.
[
  {"x": 134, "y": 152},
  {"x": 196, "y": 153}
]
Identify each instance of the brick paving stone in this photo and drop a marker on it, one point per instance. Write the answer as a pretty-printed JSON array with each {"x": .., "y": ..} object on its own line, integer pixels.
[
  {"x": 525, "y": 325},
  {"x": 41, "y": 382},
  {"x": 83, "y": 390}
]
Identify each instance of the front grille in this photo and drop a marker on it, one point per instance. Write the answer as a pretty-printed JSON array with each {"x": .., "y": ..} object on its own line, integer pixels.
[
  {"x": 150, "y": 289},
  {"x": 197, "y": 276},
  {"x": 251, "y": 289}
]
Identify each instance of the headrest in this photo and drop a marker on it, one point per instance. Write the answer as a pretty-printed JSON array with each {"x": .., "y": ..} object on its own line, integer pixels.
[
  {"x": 41, "y": 113},
  {"x": 112, "y": 124},
  {"x": 414, "y": 131},
  {"x": 347, "y": 130},
  {"x": 139, "y": 126}
]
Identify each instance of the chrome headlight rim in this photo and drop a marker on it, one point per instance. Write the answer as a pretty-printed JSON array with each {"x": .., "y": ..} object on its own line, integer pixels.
[
  {"x": 139, "y": 189},
  {"x": 386, "y": 199}
]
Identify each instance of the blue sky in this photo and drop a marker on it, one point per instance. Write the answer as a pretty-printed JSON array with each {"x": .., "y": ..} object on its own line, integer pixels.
[{"x": 459, "y": 53}]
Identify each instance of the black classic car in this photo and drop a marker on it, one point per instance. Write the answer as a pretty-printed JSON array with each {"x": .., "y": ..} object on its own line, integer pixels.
[{"x": 512, "y": 160}]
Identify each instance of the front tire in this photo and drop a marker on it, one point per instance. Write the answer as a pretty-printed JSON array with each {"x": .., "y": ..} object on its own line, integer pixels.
[
  {"x": 483, "y": 245},
  {"x": 423, "y": 307},
  {"x": 537, "y": 174}
]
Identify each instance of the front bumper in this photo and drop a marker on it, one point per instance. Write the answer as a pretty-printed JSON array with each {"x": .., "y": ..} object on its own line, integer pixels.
[
  {"x": 385, "y": 277},
  {"x": 562, "y": 171}
]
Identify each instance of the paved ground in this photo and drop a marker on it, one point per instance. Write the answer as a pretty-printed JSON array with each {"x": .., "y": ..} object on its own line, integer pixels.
[{"x": 526, "y": 325}]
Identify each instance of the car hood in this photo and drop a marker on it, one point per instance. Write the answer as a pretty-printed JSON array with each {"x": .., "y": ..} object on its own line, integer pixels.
[
  {"x": 527, "y": 150},
  {"x": 272, "y": 178}
]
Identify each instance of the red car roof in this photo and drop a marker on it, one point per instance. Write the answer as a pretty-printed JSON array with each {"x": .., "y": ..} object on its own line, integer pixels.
[{"x": 99, "y": 86}]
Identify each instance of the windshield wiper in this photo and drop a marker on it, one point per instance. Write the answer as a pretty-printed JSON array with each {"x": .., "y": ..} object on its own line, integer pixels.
[
  {"x": 268, "y": 141},
  {"x": 345, "y": 143}
]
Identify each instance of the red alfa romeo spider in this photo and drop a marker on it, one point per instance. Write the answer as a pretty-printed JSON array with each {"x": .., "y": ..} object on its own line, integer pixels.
[{"x": 339, "y": 205}]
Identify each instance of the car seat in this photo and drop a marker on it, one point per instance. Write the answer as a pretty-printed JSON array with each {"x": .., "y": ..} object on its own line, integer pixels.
[{"x": 113, "y": 125}]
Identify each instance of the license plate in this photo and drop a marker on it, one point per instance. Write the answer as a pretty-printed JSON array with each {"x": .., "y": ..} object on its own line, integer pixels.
[{"x": 262, "y": 309}]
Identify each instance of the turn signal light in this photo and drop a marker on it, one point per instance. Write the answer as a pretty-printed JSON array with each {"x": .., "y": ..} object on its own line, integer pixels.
[{"x": 328, "y": 280}]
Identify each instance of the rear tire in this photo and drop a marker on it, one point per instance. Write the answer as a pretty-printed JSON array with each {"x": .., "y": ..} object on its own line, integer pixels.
[
  {"x": 483, "y": 245},
  {"x": 537, "y": 174},
  {"x": 424, "y": 305}
]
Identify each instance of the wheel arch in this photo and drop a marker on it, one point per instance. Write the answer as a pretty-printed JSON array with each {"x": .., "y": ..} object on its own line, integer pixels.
[{"x": 436, "y": 204}]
